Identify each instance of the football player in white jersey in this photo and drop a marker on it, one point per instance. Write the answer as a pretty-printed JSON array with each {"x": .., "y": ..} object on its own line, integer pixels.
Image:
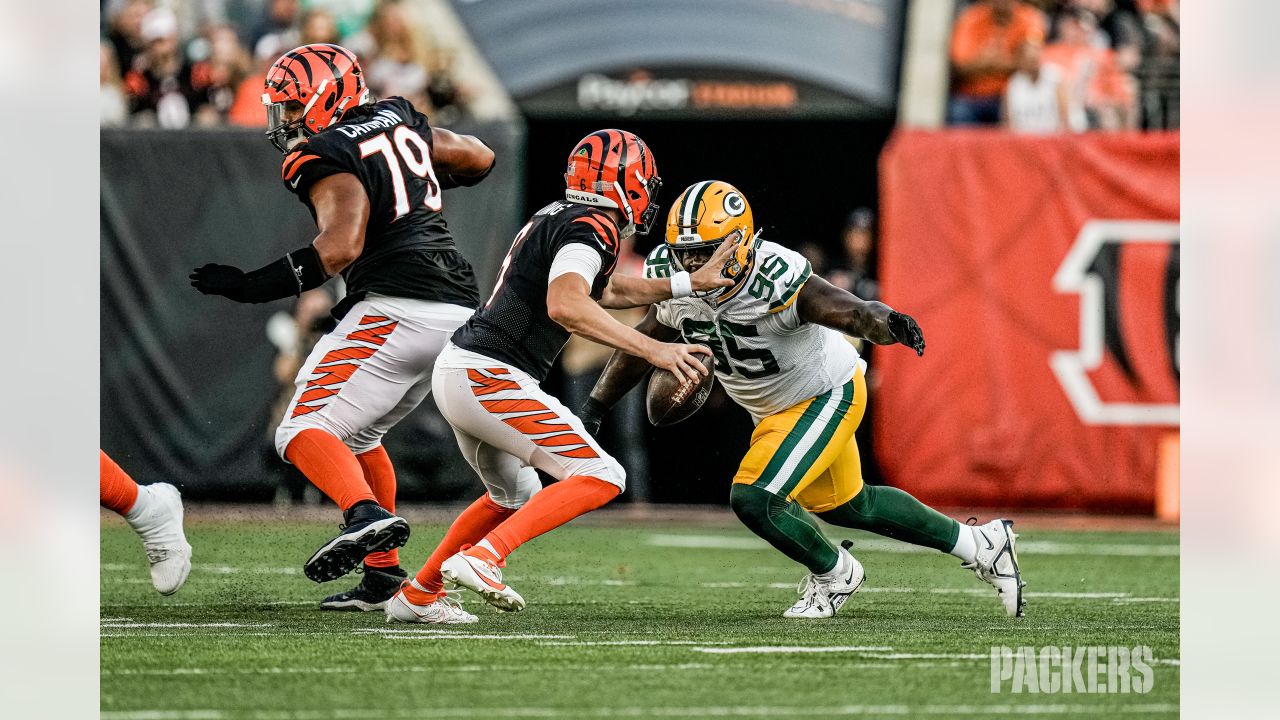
[{"x": 778, "y": 338}]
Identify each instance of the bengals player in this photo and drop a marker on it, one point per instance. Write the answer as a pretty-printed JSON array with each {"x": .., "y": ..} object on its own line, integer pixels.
[
  {"x": 155, "y": 513},
  {"x": 371, "y": 174},
  {"x": 778, "y": 338},
  {"x": 556, "y": 280}
]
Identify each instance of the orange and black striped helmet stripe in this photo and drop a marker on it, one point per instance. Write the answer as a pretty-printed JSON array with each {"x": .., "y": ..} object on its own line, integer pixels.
[{"x": 304, "y": 68}]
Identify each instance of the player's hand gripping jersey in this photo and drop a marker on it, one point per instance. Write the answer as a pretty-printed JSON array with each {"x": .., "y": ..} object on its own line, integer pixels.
[
  {"x": 767, "y": 357},
  {"x": 408, "y": 250},
  {"x": 513, "y": 325}
]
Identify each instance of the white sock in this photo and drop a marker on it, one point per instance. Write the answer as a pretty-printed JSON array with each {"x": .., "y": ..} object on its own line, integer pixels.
[
  {"x": 140, "y": 508},
  {"x": 841, "y": 568},
  {"x": 485, "y": 544},
  {"x": 966, "y": 546}
]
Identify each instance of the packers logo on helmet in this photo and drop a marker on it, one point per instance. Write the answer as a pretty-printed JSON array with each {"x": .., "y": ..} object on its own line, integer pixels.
[{"x": 706, "y": 214}]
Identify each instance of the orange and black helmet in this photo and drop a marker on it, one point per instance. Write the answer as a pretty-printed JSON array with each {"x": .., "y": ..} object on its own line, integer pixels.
[
  {"x": 325, "y": 79},
  {"x": 614, "y": 169}
]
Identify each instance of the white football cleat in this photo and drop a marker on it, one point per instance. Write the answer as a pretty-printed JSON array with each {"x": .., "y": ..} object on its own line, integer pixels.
[
  {"x": 997, "y": 563},
  {"x": 444, "y": 611},
  {"x": 482, "y": 577},
  {"x": 157, "y": 518},
  {"x": 823, "y": 598}
]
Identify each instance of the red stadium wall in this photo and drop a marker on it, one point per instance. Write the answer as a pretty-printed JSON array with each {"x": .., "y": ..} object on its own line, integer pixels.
[{"x": 1044, "y": 274}]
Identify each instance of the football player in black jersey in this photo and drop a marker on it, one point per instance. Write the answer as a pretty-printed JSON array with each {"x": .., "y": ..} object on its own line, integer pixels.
[
  {"x": 554, "y": 281},
  {"x": 371, "y": 173}
]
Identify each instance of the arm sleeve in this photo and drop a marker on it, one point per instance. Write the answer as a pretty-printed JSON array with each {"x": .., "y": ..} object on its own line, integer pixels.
[
  {"x": 594, "y": 230},
  {"x": 576, "y": 258}
]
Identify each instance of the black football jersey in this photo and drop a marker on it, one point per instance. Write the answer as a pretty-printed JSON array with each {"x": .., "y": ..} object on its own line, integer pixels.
[
  {"x": 408, "y": 250},
  {"x": 513, "y": 325}
]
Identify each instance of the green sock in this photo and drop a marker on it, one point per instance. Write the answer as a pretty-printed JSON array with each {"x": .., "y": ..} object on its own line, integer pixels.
[
  {"x": 893, "y": 513},
  {"x": 785, "y": 525}
]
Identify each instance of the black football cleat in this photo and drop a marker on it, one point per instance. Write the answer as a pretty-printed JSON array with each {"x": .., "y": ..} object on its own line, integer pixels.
[
  {"x": 376, "y": 587},
  {"x": 368, "y": 529}
]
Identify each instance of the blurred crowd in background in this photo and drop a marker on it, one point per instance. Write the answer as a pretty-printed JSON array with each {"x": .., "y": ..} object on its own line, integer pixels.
[
  {"x": 1065, "y": 65},
  {"x": 185, "y": 63}
]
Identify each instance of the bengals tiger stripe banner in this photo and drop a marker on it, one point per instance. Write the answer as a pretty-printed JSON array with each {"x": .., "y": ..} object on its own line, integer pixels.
[{"x": 1044, "y": 272}]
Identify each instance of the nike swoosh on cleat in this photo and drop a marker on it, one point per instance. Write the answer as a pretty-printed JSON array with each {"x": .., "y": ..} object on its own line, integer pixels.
[{"x": 487, "y": 581}]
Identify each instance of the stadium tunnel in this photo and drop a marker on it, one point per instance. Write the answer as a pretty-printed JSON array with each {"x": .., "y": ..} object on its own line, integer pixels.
[{"x": 790, "y": 101}]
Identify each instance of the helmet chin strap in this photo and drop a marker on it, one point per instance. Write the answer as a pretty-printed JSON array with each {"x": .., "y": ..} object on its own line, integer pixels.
[{"x": 630, "y": 228}]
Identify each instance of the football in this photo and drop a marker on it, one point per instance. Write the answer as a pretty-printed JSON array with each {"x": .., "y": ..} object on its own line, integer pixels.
[{"x": 669, "y": 399}]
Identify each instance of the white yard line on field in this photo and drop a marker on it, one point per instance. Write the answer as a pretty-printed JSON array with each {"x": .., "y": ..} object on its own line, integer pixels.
[
  {"x": 1030, "y": 547},
  {"x": 764, "y": 649},
  {"x": 703, "y": 711},
  {"x": 131, "y": 625}
]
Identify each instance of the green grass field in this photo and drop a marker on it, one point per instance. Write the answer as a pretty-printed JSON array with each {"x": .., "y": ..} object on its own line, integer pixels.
[{"x": 625, "y": 620}]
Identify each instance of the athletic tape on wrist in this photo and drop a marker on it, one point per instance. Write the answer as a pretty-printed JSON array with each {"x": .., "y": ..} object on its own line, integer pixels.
[{"x": 681, "y": 285}]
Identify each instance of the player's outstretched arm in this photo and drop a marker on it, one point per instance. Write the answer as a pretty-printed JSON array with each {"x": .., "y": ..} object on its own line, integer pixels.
[
  {"x": 570, "y": 305},
  {"x": 822, "y": 303},
  {"x": 625, "y": 291},
  {"x": 342, "y": 211},
  {"x": 459, "y": 160},
  {"x": 622, "y": 373}
]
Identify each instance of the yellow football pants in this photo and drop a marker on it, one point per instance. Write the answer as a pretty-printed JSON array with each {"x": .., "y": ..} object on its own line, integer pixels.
[{"x": 807, "y": 452}]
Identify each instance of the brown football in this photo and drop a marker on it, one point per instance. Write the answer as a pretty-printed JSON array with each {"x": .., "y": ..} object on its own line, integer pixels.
[{"x": 670, "y": 399}]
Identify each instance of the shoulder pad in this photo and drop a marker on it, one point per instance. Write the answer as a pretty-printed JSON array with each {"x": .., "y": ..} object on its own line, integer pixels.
[{"x": 658, "y": 263}]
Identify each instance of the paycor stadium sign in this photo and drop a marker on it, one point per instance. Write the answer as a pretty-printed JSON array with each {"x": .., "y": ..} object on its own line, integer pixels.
[
  {"x": 643, "y": 93},
  {"x": 690, "y": 94}
]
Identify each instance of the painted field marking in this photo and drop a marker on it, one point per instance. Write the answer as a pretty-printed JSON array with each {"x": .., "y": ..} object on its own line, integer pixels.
[
  {"x": 513, "y": 636},
  {"x": 766, "y": 649},
  {"x": 218, "y": 569},
  {"x": 245, "y": 604},
  {"x": 1033, "y": 547},
  {"x": 562, "y": 581},
  {"x": 623, "y": 643},
  {"x": 347, "y": 670},
  {"x": 1114, "y": 596},
  {"x": 130, "y": 625},
  {"x": 704, "y": 711}
]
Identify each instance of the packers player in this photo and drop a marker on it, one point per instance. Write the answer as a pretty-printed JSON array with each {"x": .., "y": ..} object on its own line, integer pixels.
[{"x": 776, "y": 334}]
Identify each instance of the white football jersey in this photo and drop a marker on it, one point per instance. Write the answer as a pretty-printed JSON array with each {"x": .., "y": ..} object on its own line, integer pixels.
[{"x": 767, "y": 357}]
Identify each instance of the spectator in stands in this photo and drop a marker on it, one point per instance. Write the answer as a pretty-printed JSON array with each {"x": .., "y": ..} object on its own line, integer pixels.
[
  {"x": 394, "y": 54},
  {"x": 125, "y": 29},
  {"x": 159, "y": 84},
  {"x": 318, "y": 26},
  {"x": 278, "y": 17},
  {"x": 217, "y": 76},
  {"x": 1118, "y": 29},
  {"x": 857, "y": 273},
  {"x": 816, "y": 255},
  {"x": 349, "y": 16},
  {"x": 984, "y": 46},
  {"x": 1037, "y": 100},
  {"x": 1093, "y": 78},
  {"x": 113, "y": 108},
  {"x": 1160, "y": 67}
]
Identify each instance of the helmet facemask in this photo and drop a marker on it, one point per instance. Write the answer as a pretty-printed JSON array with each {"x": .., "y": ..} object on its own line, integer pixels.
[
  {"x": 650, "y": 212},
  {"x": 284, "y": 134}
]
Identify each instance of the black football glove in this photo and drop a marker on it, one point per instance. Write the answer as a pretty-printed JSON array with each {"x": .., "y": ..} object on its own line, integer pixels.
[
  {"x": 591, "y": 415},
  {"x": 904, "y": 329},
  {"x": 224, "y": 280}
]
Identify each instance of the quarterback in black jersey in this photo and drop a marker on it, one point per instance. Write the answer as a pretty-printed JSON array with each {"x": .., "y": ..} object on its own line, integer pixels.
[
  {"x": 371, "y": 174},
  {"x": 556, "y": 280}
]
